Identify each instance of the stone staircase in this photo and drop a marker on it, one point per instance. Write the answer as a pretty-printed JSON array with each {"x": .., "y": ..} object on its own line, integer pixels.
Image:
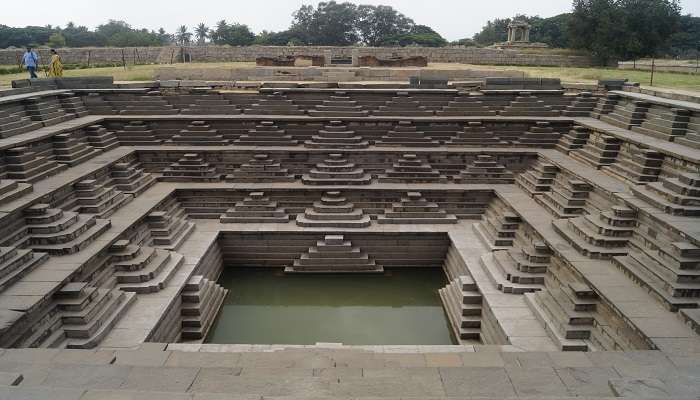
[
  {"x": 100, "y": 138},
  {"x": 605, "y": 105},
  {"x": 485, "y": 169},
  {"x": 475, "y": 134},
  {"x": 16, "y": 263},
  {"x": 626, "y": 115},
  {"x": 403, "y": 104},
  {"x": 152, "y": 103},
  {"x": 137, "y": 133},
  {"x": 333, "y": 211},
  {"x": 468, "y": 104},
  {"x": 636, "y": 165},
  {"x": 338, "y": 105},
  {"x": 274, "y": 104},
  {"x": 599, "y": 151},
  {"x": 191, "y": 167},
  {"x": 83, "y": 316},
  {"x": 663, "y": 123},
  {"x": 334, "y": 254},
  {"x": 58, "y": 232},
  {"x": 26, "y": 166},
  {"x": 415, "y": 209},
  {"x": 256, "y": 208},
  {"x": 336, "y": 135},
  {"x": 675, "y": 196},
  {"x": 336, "y": 170},
  {"x": 129, "y": 179},
  {"x": 537, "y": 179},
  {"x": 198, "y": 133},
  {"x": 411, "y": 169},
  {"x": 142, "y": 269},
  {"x": 14, "y": 121},
  {"x": 72, "y": 104},
  {"x": 599, "y": 235},
  {"x": 46, "y": 110},
  {"x": 498, "y": 226},
  {"x": 71, "y": 149},
  {"x": 261, "y": 168},
  {"x": 201, "y": 300},
  {"x": 405, "y": 134},
  {"x": 541, "y": 136},
  {"x": 11, "y": 190},
  {"x": 91, "y": 197},
  {"x": 528, "y": 104},
  {"x": 567, "y": 197},
  {"x": 521, "y": 269},
  {"x": 582, "y": 106},
  {"x": 169, "y": 226},
  {"x": 462, "y": 302},
  {"x": 575, "y": 139},
  {"x": 266, "y": 134},
  {"x": 211, "y": 104}
]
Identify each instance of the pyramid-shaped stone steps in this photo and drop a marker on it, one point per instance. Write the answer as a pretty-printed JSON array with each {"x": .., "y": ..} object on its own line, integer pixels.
[
  {"x": 72, "y": 149},
  {"x": 11, "y": 190},
  {"x": 462, "y": 302},
  {"x": 564, "y": 336},
  {"x": 411, "y": 169},
  {"x": 575, "y": 139},
  {"x": 58, "y": 233},
  {"x": 675, "y": 196},
  {"x": 582, "y": 106},
  {"x": 414, "y": 209},
  {"x": 198, "y": 133},
  {"x": 261, "y": 168},
  {"x": 169, "y": 228},
  {"x": 24, "y": 165},
  {"x": 16, "y": 263},
  {"x": 405, "y": 134},
  {"x": 100, "y": 138},
  {"x": 333, "y": 211},
  {"x": 191, "y": 167},
  {"x": 334, "y": 254},
  {"x": 336, "y": 136},
  {"x": 266, "y": 134},
  {"x": 485, "y": 169},
  {"x": 130, "y": 180},
  {"x": 567, "y": 198},
  {"x": 636, "y": 165},
  {"x": 47, "y": 109},
  {"x": 475, "y": 134},
  {"x": 538, "y": 179},
  {"x": 154, "y": 277},
  {"x": 93, "y": 198},
  {"x": 498, "y": 226},
  {"x": 336, "y": 170},
  {"x": 256, "y": 208},
  {"x": 137, "y": 133},
  {"x": 502, "y": 270},
  {"x": 541, "y": 136},
  {"x": 201, "y": 300},
  {"x": 599, "y": 151}
]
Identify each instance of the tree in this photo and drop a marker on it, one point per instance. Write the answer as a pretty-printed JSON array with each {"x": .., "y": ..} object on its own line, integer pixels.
[
  {"x": 183, "y": 37},
  {"x": 420, "y": 35},
  {"x": 376, "y": 23},
  {"x": 648, "y": 25},
  {"x": 329, "y": 24},
  {"x": 201, "y": 32},
  {"x": 686, "y": 41},
  {"x": 56, "y": 40},
  {"x": 495, "y": 31},
  {"x": 232, "y": 34}
]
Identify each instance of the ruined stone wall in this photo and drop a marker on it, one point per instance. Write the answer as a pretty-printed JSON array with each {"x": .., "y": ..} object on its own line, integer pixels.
[{"x": 143, "y": 55}]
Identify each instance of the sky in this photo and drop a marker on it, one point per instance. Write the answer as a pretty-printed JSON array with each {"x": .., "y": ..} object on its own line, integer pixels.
[{"x": 454, "y": 19}]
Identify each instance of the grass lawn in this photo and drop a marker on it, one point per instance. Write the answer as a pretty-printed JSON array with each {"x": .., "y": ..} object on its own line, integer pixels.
[{"x": 567, "y": 74}]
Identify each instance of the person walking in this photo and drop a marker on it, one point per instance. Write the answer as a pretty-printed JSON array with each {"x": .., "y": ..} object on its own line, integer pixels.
[
  {"x": 30, "y": 60},
  {"x": 55, "y": 66}
]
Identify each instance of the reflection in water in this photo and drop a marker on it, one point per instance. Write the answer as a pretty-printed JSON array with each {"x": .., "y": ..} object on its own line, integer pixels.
[{"x": 264, "y": 306}]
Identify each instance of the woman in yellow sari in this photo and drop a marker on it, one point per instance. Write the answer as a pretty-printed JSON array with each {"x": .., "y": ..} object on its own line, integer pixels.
[{"x": 55, "y": 66}]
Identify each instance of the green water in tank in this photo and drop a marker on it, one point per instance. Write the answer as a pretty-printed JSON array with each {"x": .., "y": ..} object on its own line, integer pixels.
[{"x": 266, "y": 306}]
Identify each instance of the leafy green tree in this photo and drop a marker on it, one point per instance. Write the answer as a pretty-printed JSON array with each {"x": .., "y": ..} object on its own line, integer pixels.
[
  {"x": 596, "y": 26},
  {"x": 329, "y": 24},
  {"x": 183, "y": 36},
  {"x": 686, "y": 41},
  {"x": 232, "y": 34},
  {"x": 376, "y": 23},
  {"x": 201, "y": 33},
  {"x": 648, "y": 25},
  {"x": 56, "y": 40}
]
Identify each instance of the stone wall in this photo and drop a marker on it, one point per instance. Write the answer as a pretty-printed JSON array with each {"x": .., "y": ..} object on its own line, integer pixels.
[{"x": 132, "y": 55}]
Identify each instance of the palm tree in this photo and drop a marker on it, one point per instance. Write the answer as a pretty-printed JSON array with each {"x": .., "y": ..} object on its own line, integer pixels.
[
  {"x": 183, "y": 36},
  {"x": 218, "y": 33},
  {"x": 201, "y": 32}
]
